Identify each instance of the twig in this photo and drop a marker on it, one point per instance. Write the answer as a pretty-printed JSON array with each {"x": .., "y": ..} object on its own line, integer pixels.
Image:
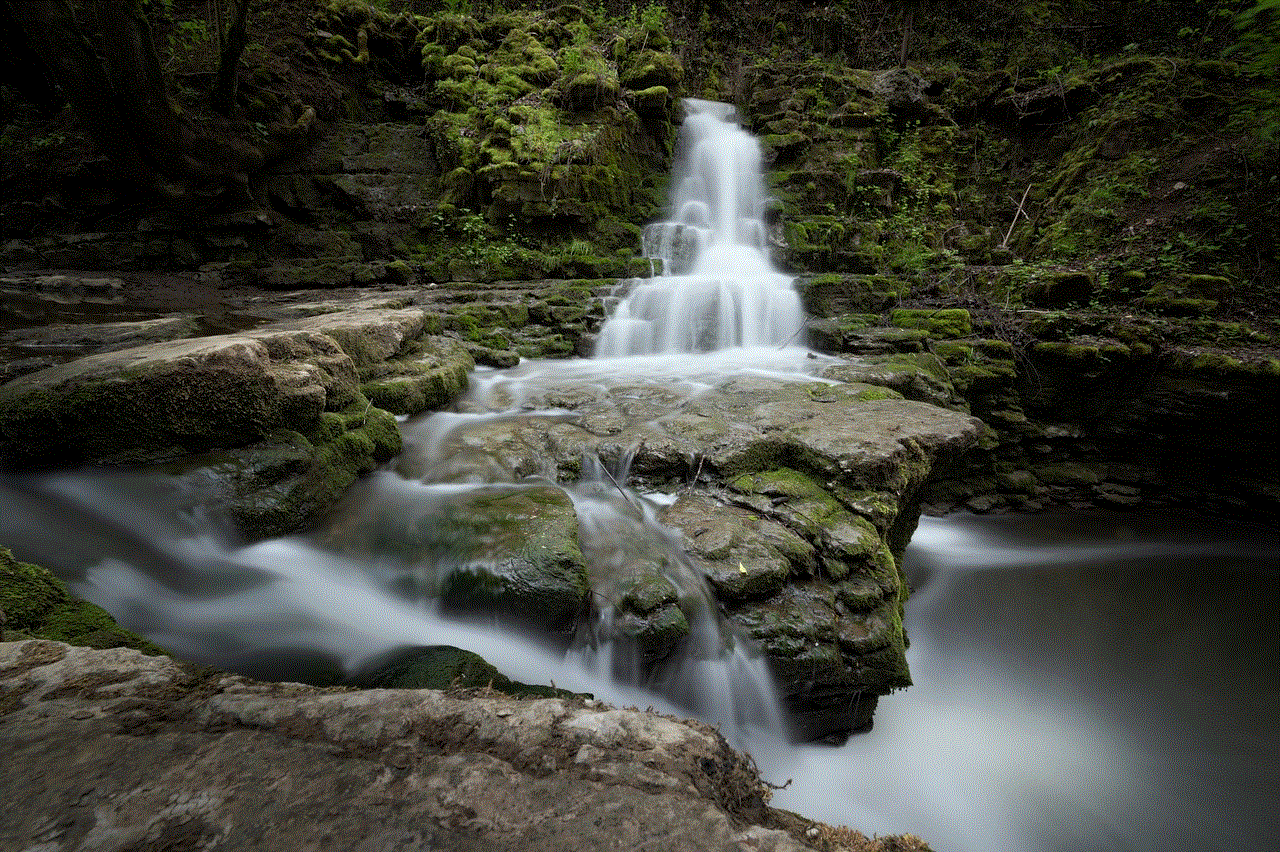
[
  {"x": 1005, "y": 242},
  {"x": 697, "y": 473},
  {"x": 787, "y": 342},
  {"x": 624, "y": 494}
]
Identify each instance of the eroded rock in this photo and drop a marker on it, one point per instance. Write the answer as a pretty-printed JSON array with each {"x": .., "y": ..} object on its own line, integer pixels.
[
  {"x": 129, "y": 750},
  {"x": 795, "y": 501}
]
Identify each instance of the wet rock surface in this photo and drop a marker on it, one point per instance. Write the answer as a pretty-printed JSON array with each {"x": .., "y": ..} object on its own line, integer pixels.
[
  {"x": 793, "y": 498},
  {"x": 121, "y": 751}
]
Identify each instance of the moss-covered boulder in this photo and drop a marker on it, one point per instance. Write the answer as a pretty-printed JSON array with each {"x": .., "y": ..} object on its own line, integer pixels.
[
  {"x": 446, "y": 668},
  {"x": 833, "y": 293},
  {"x": 508, "y": 553},
  {"x": 743, "y": 555},
  {"x": 915, "y": 375},
  {"x": 432, "y": 373},
  {"x": 161, "y": 400},
  {"x": 366, "y": 335},
  {"x": 288, "y": 480}
]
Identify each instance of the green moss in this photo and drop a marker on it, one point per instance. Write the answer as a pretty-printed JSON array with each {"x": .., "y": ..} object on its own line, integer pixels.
[
  {"x": 944, "y": 323},
  {"x": 37, "y": 605},
  {"x": 445, "y": 667},
  {"x": 879, "y": 393},
  {"x": 1178, "y": 306},
  {"x": 645, "y": 593},
  {"x": 1219, "y": 366}
]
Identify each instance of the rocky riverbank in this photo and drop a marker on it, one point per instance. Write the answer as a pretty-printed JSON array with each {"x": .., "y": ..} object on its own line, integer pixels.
[
  {"x": 113, "y": 750},
  {"x": 794, "y": 500}
]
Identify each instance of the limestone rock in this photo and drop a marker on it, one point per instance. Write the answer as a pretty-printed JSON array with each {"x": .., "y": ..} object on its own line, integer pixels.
[
  {"x": 903, "y": 91},
  {"x": 366, "y": 335},
  {"x": 153, "y": 401},
  {"x": 792, "y": 496},
  {"x": 102, "y": 337},
  {"x": 131, "y": 751},
  {"x": 509, "y": 553},
  {"x": 434, "y": 373}
]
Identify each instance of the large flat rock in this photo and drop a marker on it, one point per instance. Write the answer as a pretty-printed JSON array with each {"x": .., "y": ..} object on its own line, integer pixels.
[
  {"x": 795, "y": 500},
  {"x": 112, "y": 751},
  {"x": 159, "y": 400}
]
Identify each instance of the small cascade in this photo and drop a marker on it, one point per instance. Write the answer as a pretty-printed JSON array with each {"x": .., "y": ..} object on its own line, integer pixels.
[
  {"x": 716, "y": 671},
  {"x": 718, "y": 288}
]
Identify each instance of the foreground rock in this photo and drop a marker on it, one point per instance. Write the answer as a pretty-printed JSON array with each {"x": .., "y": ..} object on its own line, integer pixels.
[{"x": 112, "y": 750}]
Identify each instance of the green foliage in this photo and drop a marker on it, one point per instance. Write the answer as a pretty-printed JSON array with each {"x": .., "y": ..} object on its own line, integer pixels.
[
  {"x": 1258, "y": 48},
  {"x": 922, "y": 200}
]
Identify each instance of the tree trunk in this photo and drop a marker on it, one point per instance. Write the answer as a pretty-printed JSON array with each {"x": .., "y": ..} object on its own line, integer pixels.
[
  {"x": 224, "y": 91},
  {"x": 122, "y": 100}
]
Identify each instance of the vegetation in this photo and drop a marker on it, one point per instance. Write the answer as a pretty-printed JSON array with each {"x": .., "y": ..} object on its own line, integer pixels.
[{"x": 1045, "y": 155}]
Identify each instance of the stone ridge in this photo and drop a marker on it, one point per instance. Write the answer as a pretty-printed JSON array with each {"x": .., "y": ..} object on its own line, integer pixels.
[{"x": 131, "y": 752}]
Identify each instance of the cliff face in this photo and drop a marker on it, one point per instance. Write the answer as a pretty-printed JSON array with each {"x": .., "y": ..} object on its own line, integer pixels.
[{"x": 975, "y": 155}]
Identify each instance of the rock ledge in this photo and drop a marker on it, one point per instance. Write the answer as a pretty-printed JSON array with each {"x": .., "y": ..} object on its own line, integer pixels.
[{"x": 114, "y": 750}]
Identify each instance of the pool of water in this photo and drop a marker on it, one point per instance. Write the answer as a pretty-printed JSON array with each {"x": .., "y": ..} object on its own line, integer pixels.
[{"x": 1082, "y": 682}]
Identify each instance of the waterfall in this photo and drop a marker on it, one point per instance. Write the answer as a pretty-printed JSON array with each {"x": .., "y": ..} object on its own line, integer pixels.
[{"x": 718, "y": 288}]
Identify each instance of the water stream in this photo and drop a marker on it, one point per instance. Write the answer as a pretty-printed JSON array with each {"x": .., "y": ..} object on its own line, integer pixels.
[{"x": 1114, "y": 687}]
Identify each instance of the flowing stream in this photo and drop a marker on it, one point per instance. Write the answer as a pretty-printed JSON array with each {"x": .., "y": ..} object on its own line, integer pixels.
[{"x": 1082, "y": 682}]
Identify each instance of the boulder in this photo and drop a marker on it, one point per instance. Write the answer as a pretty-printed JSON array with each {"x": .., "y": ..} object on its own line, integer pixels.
[
  {"x": 504, "y": 553},
  {"x": 157, "y": 401},
  {"x": 792, "y": 496},
  {"x": 434, "y": 372},
  {"x": 131, "y": 751}
]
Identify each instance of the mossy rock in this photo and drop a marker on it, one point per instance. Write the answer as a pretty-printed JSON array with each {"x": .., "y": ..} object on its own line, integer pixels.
[
  {"x": 517, "y": 558},
  {"x": 1069, "y": 473},
  {"x": 846, "y": 542},
  {"x": 1059, "y": 289},
  {"x": 648, "y": 68},
  {"x": 840, "y": 294},
  {"x": 914, "y": 375},
  {"x": 37, "y": 605},
  {"x": 432, "y": 376},
  {"x": 653, "y": 101},
  {"x": 1178, "y": 306},
  {"x": 943, "y": 323},
  {"x": 656, "y": 633},
  {"x": 444, "y": 667},
  {"x": 157, "y": 401},
  {"x": 284, "y": 483}
]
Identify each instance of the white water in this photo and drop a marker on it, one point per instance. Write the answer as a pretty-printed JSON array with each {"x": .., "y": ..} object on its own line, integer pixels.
[
  {"x": 1081, "y": 683},
  {"x": 718, "y": 288}
]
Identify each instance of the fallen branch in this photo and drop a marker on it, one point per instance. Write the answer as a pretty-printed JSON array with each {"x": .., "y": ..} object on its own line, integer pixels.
[{"x": 1020, "y": 212}]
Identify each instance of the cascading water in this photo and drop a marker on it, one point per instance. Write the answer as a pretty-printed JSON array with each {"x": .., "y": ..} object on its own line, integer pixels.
[
  {"x": 718, "y": 288},
  {"x": 370, "y": 580},
  {"x": 1143, "y": 720}
]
